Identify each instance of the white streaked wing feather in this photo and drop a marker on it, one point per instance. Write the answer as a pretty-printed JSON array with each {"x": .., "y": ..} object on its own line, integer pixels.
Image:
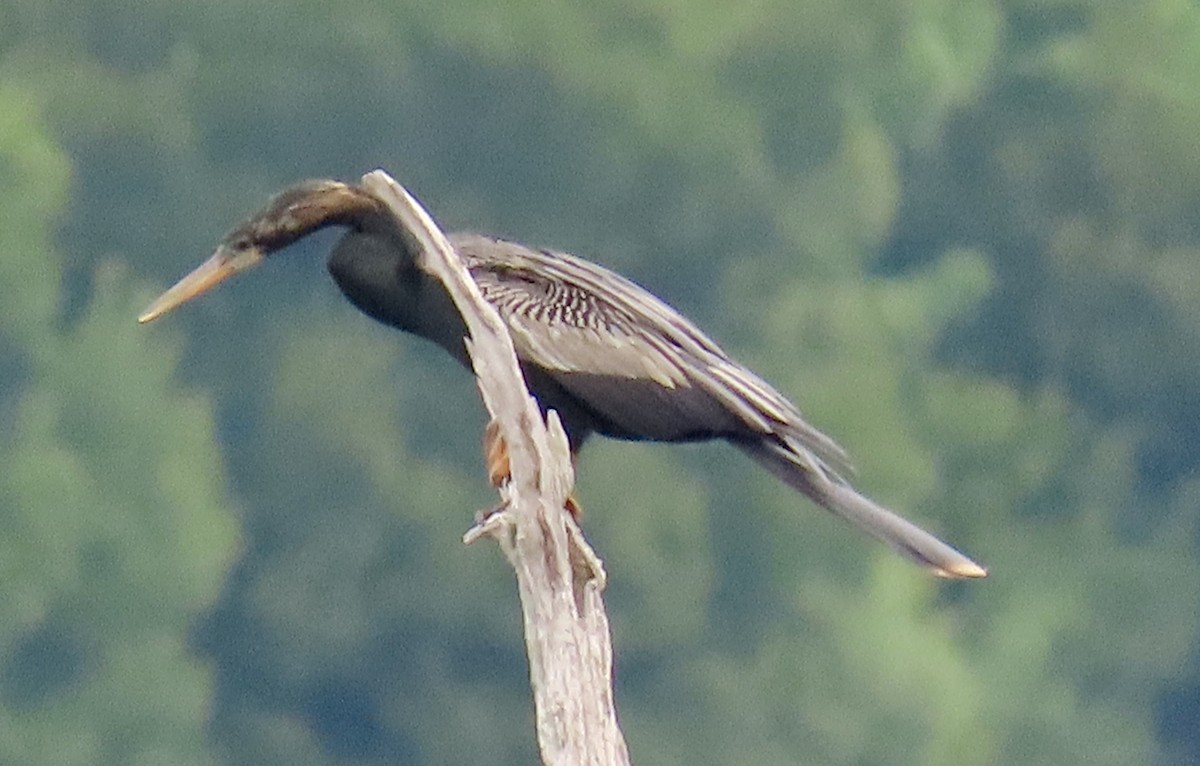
[
  {"x": 674, "y": 353},
  {"x": 568, "y": 341}
]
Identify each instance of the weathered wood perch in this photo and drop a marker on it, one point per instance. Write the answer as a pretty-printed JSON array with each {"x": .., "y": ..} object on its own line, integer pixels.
[{"x": 559, "y": 577}]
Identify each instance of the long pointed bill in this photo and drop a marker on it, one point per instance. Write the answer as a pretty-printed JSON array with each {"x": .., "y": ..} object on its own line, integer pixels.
[{"x": 223, "y": 264}]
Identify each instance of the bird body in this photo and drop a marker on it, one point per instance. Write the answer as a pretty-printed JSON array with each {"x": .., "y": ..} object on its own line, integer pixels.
[{"x": 607, "y": 355}]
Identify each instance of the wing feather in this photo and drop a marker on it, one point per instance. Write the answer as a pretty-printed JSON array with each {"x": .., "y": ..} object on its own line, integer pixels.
[{"x": 561, "y": 309}]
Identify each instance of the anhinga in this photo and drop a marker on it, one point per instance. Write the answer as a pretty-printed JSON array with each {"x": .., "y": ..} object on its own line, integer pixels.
[{"x": 611, "y": 358}]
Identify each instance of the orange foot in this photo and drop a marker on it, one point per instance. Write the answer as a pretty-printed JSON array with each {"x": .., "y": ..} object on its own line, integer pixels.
[{"x": 495, "y": 456}]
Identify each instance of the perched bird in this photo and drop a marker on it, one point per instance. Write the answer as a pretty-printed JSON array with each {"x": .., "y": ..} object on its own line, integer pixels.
[{"x": 611, "y": 358}]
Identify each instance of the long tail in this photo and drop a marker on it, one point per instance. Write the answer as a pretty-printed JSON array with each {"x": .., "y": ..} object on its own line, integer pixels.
[{"x": 805, "y": 472}]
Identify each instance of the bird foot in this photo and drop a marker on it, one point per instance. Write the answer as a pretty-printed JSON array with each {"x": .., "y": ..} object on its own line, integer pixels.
[
  {"x": 574, "y": 508},
  {"x": 495, "y": 457}
]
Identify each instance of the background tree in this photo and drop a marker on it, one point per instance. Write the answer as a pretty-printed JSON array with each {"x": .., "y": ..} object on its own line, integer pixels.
[
  {"x": 959, "y": 233},
  {"x": 115, "y": 529}
]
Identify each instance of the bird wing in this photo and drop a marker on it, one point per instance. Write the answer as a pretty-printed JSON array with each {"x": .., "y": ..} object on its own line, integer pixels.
[{"x": 570, "y": 315}]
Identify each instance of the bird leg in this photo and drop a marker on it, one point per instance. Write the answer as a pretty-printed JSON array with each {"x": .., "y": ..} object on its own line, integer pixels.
[{"x": 495, "y": 456}]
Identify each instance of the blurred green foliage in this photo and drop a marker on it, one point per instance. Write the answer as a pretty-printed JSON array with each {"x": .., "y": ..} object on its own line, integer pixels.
[
  {"x": 960, "y": 233},
  {"x": 116, "y": 527}
]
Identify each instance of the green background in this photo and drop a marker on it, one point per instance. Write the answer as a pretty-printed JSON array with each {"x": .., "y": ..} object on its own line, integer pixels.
[{"x": 962, "y": 234}]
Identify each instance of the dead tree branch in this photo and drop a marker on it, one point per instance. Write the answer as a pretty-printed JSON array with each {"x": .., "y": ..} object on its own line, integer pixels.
[{"x": 559, "y": 577}]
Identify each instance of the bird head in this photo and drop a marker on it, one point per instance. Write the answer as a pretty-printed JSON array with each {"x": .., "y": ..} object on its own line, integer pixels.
[{"x": 289, "y": 216}]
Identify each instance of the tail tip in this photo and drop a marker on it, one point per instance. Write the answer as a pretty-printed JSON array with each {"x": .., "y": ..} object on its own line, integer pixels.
[{"x": 961, "y": 570}]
